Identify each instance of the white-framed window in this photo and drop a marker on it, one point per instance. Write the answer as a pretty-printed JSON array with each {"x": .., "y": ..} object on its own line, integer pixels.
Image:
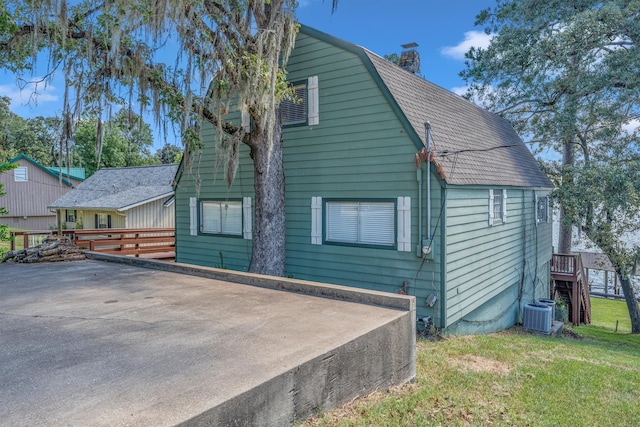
[
  {"x": 221, "y": 217},
  {"x": 20, "y": 174},
  {"x": 303, "y": 109},
  {"x": 497, "y": 206},
  {"x": 542, "y": 209},
  {"x": 70, "y": 215},
  {"x": 366, "y": 223}
]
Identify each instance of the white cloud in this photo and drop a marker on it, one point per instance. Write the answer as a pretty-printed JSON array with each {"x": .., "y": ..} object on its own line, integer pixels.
[
  {"x": 35, "y": 94},
  {"x": 459, "y": 90},
  {"x": 471, "y": 39},
  {"x": 631, "y": 126},
  {"x": 304, "y": 3}
]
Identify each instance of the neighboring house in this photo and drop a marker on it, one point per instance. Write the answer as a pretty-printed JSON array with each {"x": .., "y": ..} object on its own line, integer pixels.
[
  {"x": 30, "y": 188},
  {"x": 134, "y": 197},
  {"x": 360, "y": 212}
]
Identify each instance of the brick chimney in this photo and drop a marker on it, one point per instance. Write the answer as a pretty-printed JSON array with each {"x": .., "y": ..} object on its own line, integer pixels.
[{"x": 410, "y": 58}]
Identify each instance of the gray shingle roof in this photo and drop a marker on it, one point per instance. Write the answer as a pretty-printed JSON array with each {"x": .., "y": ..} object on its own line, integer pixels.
[
  {"x": 474, "y": 146},
  {"x": 120, "y": 188}
]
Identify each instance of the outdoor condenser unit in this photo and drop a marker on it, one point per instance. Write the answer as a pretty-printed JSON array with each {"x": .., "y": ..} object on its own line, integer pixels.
[
  {"x": 551, "y": 303},
  {"x": 537, "y": 317}
]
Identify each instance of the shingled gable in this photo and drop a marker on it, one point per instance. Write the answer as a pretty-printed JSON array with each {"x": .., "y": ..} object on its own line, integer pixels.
[
  {"x": 473, "y": 145},
  {"x": 120, "y": 188}
]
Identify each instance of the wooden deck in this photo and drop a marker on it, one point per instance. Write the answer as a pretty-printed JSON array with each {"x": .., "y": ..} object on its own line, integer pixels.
[
  {"x": 156, "y": 243},
  {"x": 569, "y": 282}
]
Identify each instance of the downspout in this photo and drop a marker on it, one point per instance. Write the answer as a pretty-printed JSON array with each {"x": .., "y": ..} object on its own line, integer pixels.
[
  {"x": 427, "y": 129},
  {"x": 443, "y": 259},
  {"x": 420, "y": 213}
]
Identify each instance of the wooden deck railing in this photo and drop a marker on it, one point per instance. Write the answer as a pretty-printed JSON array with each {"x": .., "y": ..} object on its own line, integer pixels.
[
  {"x": 145, "y": 242},
  {"x": 568, "y": 267},
  {"x": 565, "y": 265}
]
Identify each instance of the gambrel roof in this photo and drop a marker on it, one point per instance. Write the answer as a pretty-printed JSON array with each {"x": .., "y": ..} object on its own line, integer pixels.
[
  {"x": 120, "y": 188},
  {"x": 473, "y": 145}
]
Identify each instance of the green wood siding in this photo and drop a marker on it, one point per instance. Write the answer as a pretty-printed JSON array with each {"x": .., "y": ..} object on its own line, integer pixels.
[
  {"x": 341, "y": 158},
  {"x": 360, "y": 150},
  {"x": 486, "y": 265}
]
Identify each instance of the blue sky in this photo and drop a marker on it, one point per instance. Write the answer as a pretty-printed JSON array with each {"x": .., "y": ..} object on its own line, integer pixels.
[{"x": 443, "y": 29}]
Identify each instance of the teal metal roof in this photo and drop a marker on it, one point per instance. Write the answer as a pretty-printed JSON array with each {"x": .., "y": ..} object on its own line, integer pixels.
[
  {"x": 51, "y": 170},
  {"x": 75, "y": 173}
]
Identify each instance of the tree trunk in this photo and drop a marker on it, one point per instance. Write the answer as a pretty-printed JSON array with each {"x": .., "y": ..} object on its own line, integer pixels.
[
  {"x": 268, "y": 246},
  {"x": 565, "y": 230},
  {"x": 632, "y": 304}
]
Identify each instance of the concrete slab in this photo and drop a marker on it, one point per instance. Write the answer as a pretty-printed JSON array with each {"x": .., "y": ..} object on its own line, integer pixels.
[{"x": 101, "y": 343}]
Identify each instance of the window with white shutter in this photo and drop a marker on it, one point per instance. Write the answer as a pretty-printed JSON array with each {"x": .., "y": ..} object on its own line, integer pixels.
[
  {"x": 361, "y": 223},
  {"x": 542, "y": 209},
  {"x": 303, "y": 108},
  {"x": 221, "y": 217},
  {"x": 497, "y": 206},
  {"x": 294, "y": 111}
]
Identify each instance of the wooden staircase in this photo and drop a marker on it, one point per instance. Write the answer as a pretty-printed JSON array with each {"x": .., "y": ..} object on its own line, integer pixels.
[{"x": 568, "y": 281}]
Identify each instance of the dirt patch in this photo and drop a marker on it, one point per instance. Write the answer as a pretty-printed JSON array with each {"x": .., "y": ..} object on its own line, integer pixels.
[
  {"x": 358, "y": 406},
  {"x": 482, "y": 364},
  {"x": 568, "y": 333}
]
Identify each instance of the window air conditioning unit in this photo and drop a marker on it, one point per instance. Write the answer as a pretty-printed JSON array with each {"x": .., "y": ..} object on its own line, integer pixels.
[{"x": 537, "y": 317}]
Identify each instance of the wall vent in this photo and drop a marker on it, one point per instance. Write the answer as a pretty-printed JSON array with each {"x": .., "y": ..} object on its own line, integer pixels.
[{"x": 537, "y": 317}]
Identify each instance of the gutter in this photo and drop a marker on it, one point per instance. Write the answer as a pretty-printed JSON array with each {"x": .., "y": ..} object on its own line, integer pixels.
[{"x": 144, "y": 202}]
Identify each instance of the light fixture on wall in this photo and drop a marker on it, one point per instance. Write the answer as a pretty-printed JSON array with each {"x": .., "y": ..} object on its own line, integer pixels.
[{"x": 430, "y": 301}]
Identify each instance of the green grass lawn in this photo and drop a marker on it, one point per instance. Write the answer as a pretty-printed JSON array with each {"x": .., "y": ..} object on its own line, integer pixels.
[{"x": 515, "y": 378}]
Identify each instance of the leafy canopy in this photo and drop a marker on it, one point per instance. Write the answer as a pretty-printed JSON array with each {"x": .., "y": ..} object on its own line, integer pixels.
[
  {"x": 567, "y": 74},
  {"x": 181, "y": 60}
]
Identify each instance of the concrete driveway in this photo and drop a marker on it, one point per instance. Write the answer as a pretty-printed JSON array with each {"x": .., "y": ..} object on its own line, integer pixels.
[{"x": 103, "y": 343}]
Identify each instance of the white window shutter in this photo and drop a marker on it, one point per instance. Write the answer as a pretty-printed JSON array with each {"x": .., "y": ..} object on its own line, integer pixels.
[
  {"x": 316, "y": 220},
  {"x": 193, "y": 217},
  {"x": 313, "y": 101},
  {"x": 535, "y": 209},
  {"x": 504, "y": 205},
  {"x": 549, "y": 211},
  {"x": 246, "y": 120},
  {"x": 246, "y": 223},
  {"x": 404, "y": 224},
  {"x": 491, "y": 207}
]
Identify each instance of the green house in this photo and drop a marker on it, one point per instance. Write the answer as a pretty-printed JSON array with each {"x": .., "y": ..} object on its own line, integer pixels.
[{"x": 468, "y": 232}]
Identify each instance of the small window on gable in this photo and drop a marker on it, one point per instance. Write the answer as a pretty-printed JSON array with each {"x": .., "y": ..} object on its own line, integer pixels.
[
  {"x": 221, "y": 217},
  {"x": 20, "y": 174},
  {"x": 294, "y": 111},
  {"x": 304, "y": 108},
  {"x": 497, "y": 206},
  {"x": 542, "y": 209}
]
